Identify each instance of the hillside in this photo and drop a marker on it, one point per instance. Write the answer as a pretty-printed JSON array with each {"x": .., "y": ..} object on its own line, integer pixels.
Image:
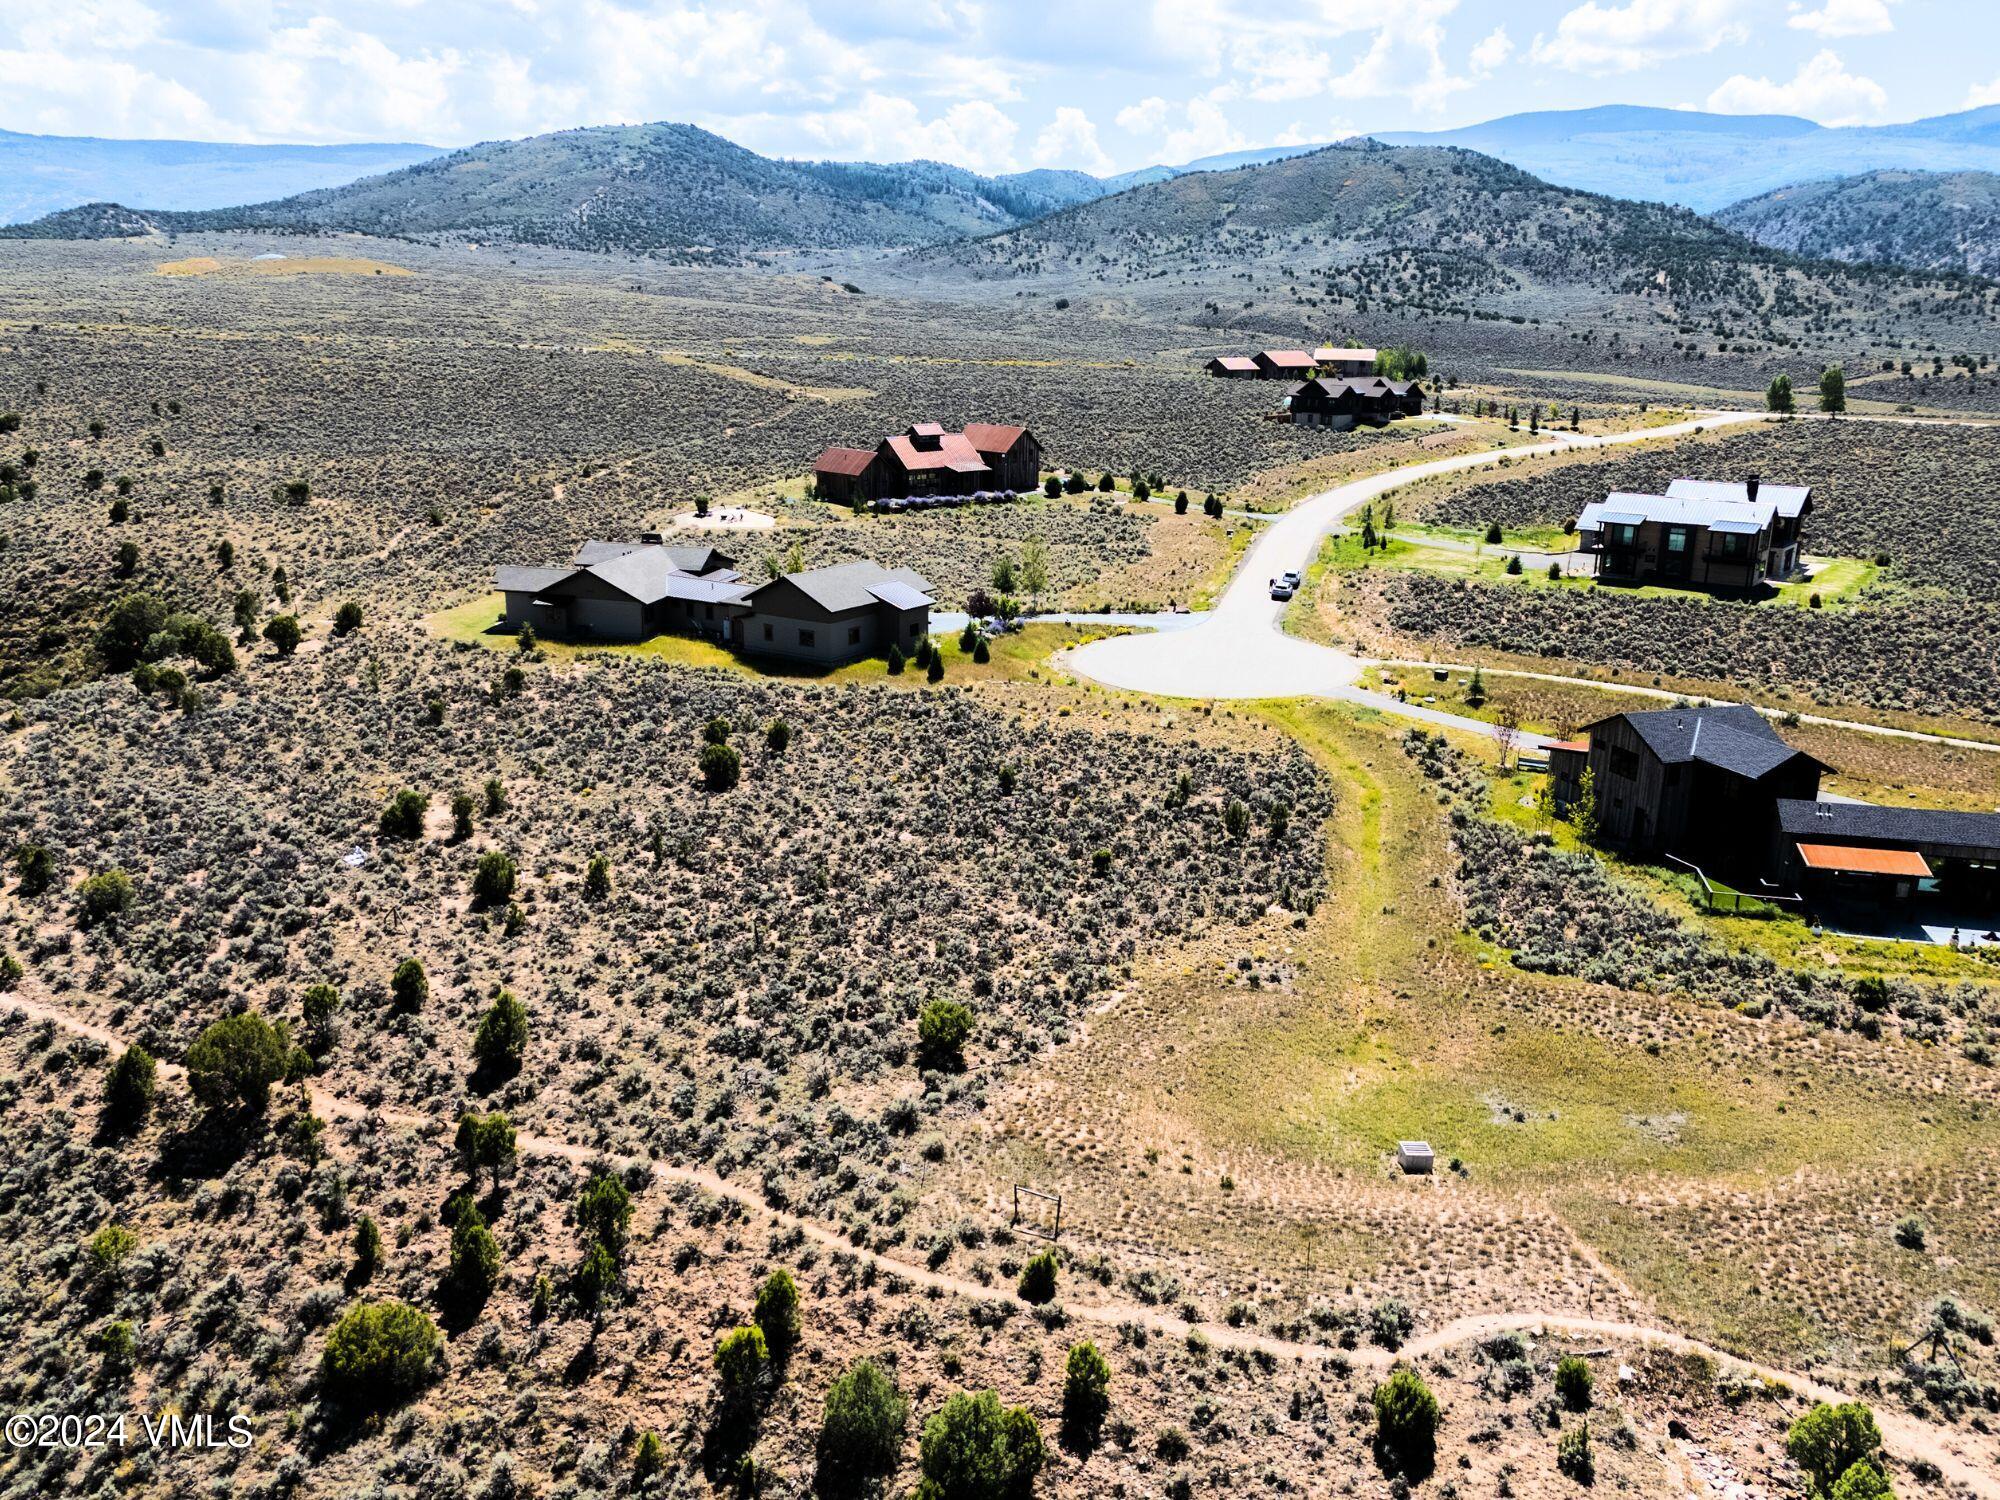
[
  {"x": 1706, "y": 161},
  {"x": 1932, "y": 221},
  {"x": 659, "y": 187},
  {"x": 42, "y": 174}
]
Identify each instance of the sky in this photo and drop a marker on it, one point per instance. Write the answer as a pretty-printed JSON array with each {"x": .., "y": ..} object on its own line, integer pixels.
[{"x": 1102, "y": 87}]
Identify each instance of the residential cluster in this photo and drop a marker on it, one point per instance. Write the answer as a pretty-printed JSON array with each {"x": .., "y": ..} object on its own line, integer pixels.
[{"x": 986, "y": 460}]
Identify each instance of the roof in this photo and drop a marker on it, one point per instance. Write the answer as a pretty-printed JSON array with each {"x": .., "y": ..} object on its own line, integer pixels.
[
  {"x": 1327, "y": 354},
  {"x": 1620, "y": 507},
  {"x": 1848, "y": 821},
  {"x": 1854, "y": 859},
  {"x": 899, "y": 595},
  {"x": 953, "y": 452},
  {"x": 927, "y": 429},
  {"x": 851, "y": 585},
  {"x": 529, "y": 580},
  {"x": 993, "y": 437},
  {"x": 850, "y": 461},
  {"x": 1791, "y": 500},
  {"x": 1234, "y": 362},
  {"x": 1732, "y": 737},
  {"x": 1577, "y": 746},
  {"x": 1287, "y": 357}
]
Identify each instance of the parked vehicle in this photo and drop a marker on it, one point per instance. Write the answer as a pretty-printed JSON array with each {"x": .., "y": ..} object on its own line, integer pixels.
[{"x": 1280, "y": 589}]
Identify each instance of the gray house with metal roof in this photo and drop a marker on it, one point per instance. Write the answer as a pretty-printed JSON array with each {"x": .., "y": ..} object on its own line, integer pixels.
[
  {"x": 626, "y": 591},
  {"x": 836, "y": 614},
  {"x": 1857, "y": 847},
  {"x": 1707, "y": 533}
]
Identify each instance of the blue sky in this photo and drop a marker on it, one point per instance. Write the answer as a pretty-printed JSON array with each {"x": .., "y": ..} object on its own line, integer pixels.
[{"x": 997, "y": 87}]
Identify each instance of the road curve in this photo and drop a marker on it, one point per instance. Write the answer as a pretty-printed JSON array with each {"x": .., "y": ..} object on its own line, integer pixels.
[
  {"x": 1240, "y": 650},
  {"x": 1909, "y": 1437}
]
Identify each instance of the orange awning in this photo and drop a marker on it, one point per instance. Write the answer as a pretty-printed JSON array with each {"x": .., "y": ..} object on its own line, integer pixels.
[{"x": 1852, "y": 859}]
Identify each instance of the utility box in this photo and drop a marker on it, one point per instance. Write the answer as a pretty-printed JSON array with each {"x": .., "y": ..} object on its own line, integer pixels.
[{"x": 1415, "y": 1157}]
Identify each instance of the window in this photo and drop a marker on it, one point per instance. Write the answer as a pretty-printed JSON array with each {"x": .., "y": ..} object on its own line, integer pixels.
[
  {"x": 1677, "y": 539},
  {"x": 854, "y": 635},
  {"x": 767, "y": 630},
  {"x": 914, "y": 632},
  {"x": 805, "y": 637},
  {"x": 1624, "y": 763},
  {"x": 1623, "y": 535}
]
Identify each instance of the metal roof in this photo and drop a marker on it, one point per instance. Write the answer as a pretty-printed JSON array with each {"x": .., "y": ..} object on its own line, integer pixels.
[
  {"x": 1671, "y": 511},
  {"x": 529, "y": 580},
  {"x": 848, "y": 585},
  {"x": 1856, "y": 859},
  {"x": 849, "y": 461},
  {"x": 1789, "y": 500},
  {"x": 899, "y": 595}
]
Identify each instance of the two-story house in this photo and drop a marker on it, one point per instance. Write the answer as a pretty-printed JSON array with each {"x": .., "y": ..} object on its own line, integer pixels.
[{"x": 1707, "y": 533}]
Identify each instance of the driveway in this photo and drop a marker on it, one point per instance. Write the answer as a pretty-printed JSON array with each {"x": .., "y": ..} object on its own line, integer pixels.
[{"x": 1239, "y": 649}]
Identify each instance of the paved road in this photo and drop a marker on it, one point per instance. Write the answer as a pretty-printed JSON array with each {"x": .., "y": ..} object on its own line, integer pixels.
[{"x": 1240, "y": 650}]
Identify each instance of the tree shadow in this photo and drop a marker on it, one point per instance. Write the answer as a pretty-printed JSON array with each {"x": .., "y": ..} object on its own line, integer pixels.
[
  {"x": 1414, "y": 1459},
  {"x": 490, "y": 1075},
  {"x": 729, "y": 1439},
  {"x": 209, "y": 1145}
]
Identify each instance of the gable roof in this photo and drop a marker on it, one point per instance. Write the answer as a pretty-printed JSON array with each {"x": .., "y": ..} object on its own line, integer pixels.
[
  {"x": 1620, "y": 507},
  {"x": 1234, "y": 362},
  {"x": 529, "y": 580},
  {"x": 644, "y": 571},
  {"x": 993, "y": 437},
  {"x": 1286, "y": 358},
  {"x": 1732, "y": 736},
  {"x": 952, "y": 452},
  {"x": 1789, "y": 499},
  {"x": 850, "y": 461},
  {"x": 852, "y": 585},
  {"x": 1326, "y": 354},
  {"x": 1829, "y": 822}
]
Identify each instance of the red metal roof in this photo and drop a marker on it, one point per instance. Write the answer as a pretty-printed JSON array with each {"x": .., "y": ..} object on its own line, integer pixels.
[
  {"x": 927, "y": 429},
  {"x": 993, "y": 437},
  {"x": 1288, "y": 358},
  {"x": 1580, "y": 746},
  {"x": 1234, "y": 362},
  {"x": 850, "y": 461},
  {"x": 1855, "y": 859},
  {"x": 952, "y": 452}
]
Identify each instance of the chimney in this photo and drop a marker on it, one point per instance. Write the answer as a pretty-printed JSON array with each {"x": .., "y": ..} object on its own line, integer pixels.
[{"x": 1750, "y": 484}]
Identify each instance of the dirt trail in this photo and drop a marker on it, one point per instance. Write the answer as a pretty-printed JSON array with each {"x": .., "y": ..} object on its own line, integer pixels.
[{"x": 1907, "y": 1437}]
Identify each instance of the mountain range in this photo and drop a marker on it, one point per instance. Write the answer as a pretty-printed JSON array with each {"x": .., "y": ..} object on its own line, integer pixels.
[
  {"x": 1930, "y": 221},
  {"x": 1707, "y": 162}
]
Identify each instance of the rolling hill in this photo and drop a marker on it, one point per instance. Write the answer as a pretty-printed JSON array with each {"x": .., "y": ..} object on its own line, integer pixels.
[
  {"x": 661, "y": 187},
  {"x": 1931, "y": 221},
  {"x": 42, "y": 174},
  {"x": 1706, "y": 161}
]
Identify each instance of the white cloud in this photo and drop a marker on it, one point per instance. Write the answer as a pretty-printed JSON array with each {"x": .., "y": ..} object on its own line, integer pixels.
[
  {"x": 1981, "y": 95},
  {"x": 1206, "y": 131},
  {"x": 1595, "y": 38},
  {"x": 1492, "y": 52},
  {"x": 886, "y": 127},
  {"x": 1844, "y": 18},
  {"x": 1070, "y": 140},
  {"x": 1823, "y": 90},
  {"x": 1147, "y": 117}
]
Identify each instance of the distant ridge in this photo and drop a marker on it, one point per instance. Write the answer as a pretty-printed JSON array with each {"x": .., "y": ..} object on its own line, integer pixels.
[
  {"x": 1708, "y": 161},
  {"x": 1928, "y": 221}
]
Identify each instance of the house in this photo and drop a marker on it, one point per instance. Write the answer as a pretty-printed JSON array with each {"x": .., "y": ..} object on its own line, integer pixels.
[
  {"x": 837, "y": 614},
  {"x": 1233, "y": 367},
  {"x": 1341, "y": 363},
  {"x": 845, "y": 475},
  {"x": 625, "y": 591},
  {"x": 1708, "y": 533},
  {"x": 1340, "y": 404},
  {"x": 927, "y": 459},
  {"x": 1855, "y": 849},
  {"x": 1693, "y": 782},
  {"x": 1283, "y": 364}
]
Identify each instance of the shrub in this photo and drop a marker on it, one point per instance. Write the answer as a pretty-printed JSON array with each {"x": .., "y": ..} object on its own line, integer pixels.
[
  {"x": 485, "y": 1143},
  {"x": 597, "y": 875},
  {"x": 1862, "y": 1481},
  {"x": 934, "y": 669},
  {"x": 1236, "y": 818},
  {"x": 1100, "y": 863},
  {"x": 103, "y": 895},
  {"x": 1573, "y": 1382},
  {"x": 1829, "y": 1440},
  {"x": 1086, "y": 1390},
  {"x": 403, "y": 818},
  {"x": 1406, "y": 1422},
  {"x": 981, "y": 652},
  {"x": 367, "y": 1250},
  {"x": 894, "y": 660},
  {"x": 111, "y": 1247},
  {"x": 1573, "y": 1455},
  {"x": 1391, "y": 1322},
  {"x": 861, "y": 1434},
  {"x": 36, "y": 867},
  {"x": 777, "y": 1312},
  {"x": 1038, "y": 1279},
  {"x": 777, "y": 735},
  {"x": 741, "y": 1359},
  {"x": 236, "y": 1060},
  {"x": 462, "y": 807},
  {"x": 128, "y": 1086},
  {"x": 493, "y": 877},
  {"x": 347, "y": 619},
  {"x": 1911, "y": 1233},
  {"x": 284, "y": 632},
  {"x": 379, "y": 1354},
  {"x": 502, "y": 1036},
  {"x": 475, "y": 1257},
  {"x": 409, "y": 986},
  {"x": 973, "y": 1448},
  {"x": 721, "y": 767},
  {"x": 596, "y": 1273},
  {"x": 943, "y": 1029},
  {"x": 1170, "y": 1445},
  {"x": 604, "y": 1213},
  {"x": 649, "y": 1457}
]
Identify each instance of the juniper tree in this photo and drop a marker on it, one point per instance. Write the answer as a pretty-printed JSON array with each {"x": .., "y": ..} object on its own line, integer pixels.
[{"x": 502, "y": 1038}]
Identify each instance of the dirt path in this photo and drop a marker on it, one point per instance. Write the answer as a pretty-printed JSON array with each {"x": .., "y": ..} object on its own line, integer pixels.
[{"x": 1907, "y": 1437}]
